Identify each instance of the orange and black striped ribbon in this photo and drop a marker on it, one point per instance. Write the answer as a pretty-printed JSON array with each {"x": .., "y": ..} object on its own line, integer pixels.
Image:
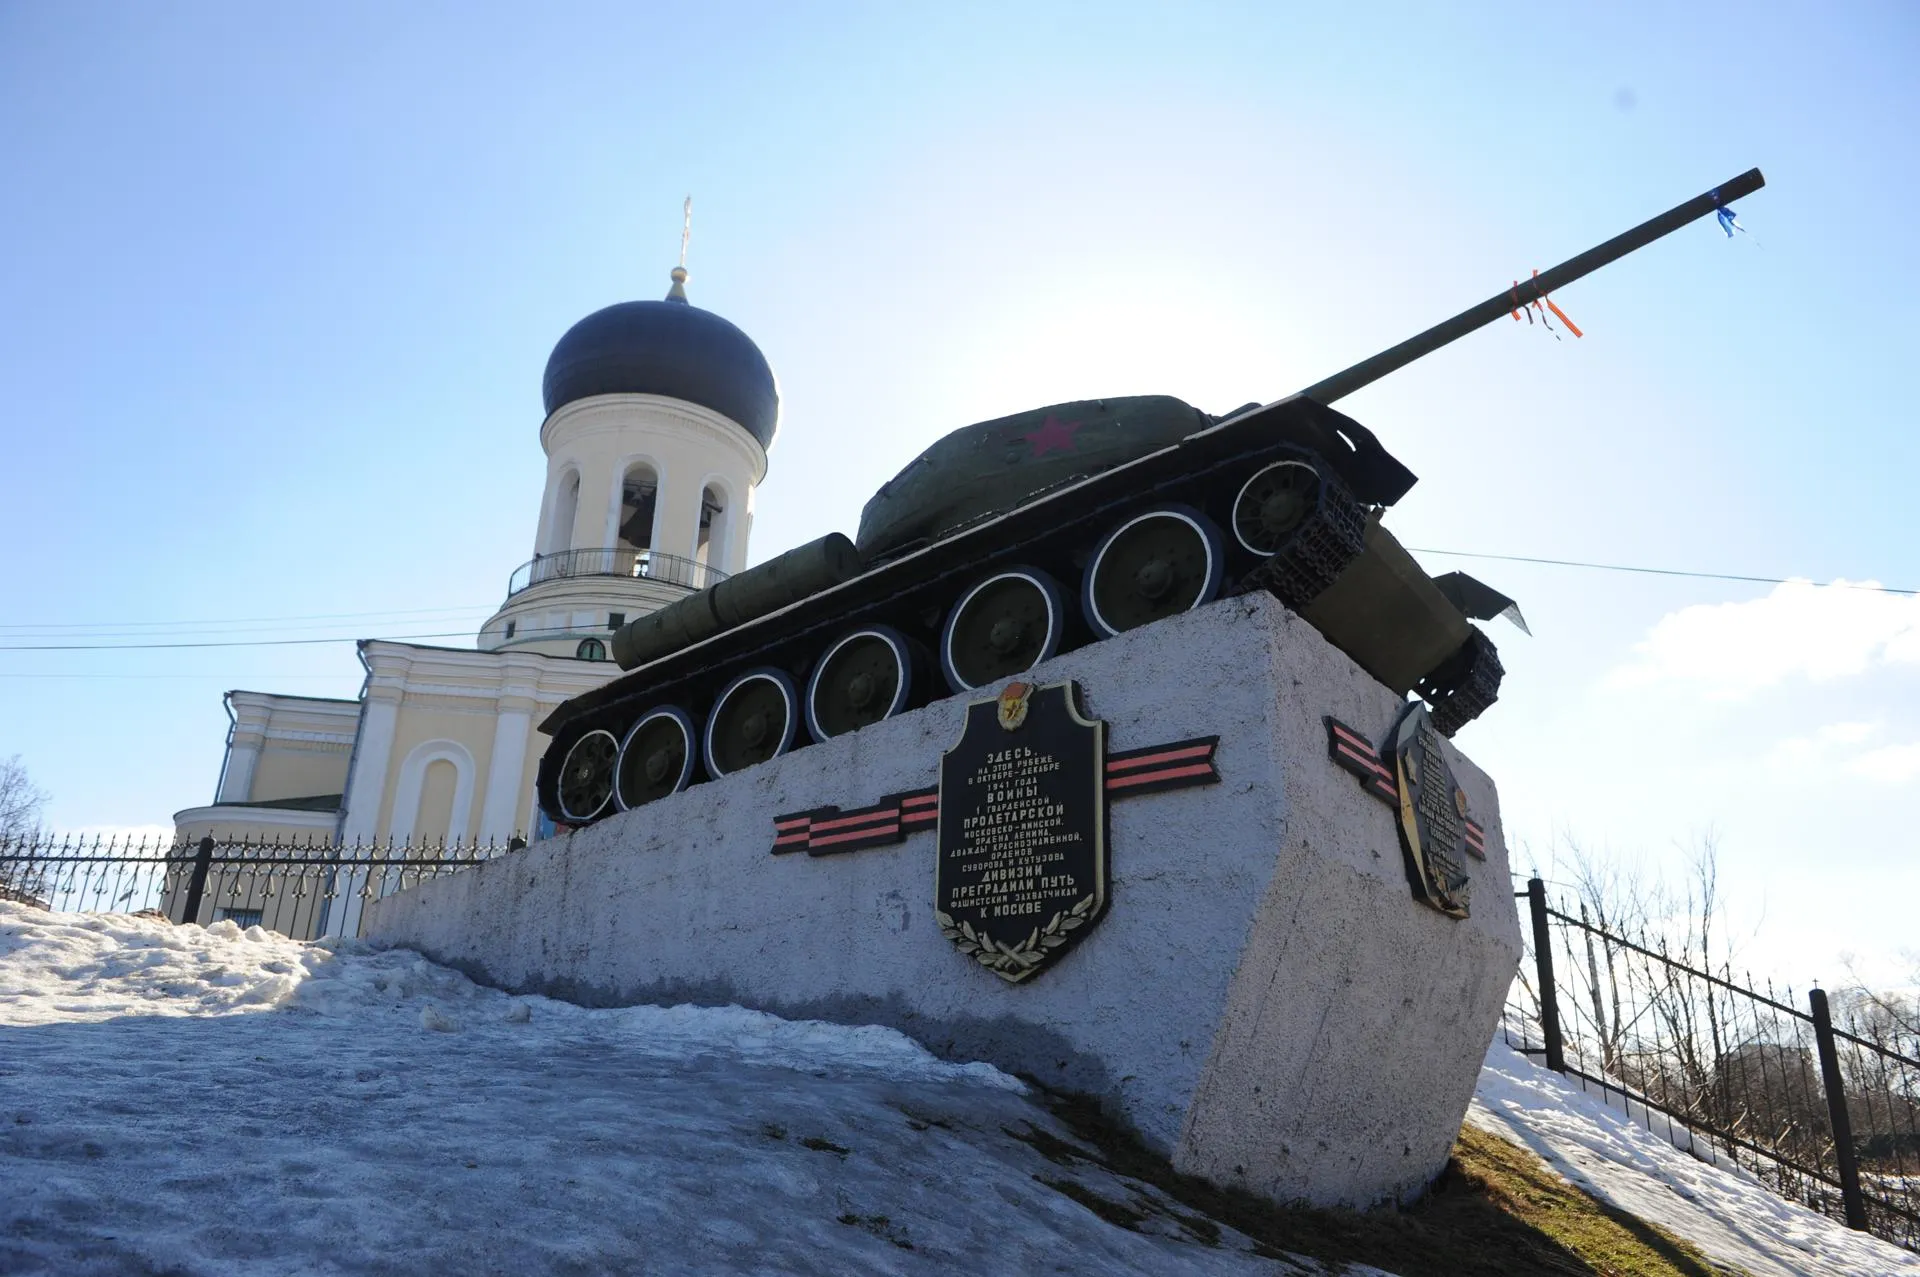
[
  {"x": 827, "y": 831},
  {"x": 1351, "y": 750}
]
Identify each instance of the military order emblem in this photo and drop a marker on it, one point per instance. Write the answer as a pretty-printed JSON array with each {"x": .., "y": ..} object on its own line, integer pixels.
[
  {"x": 1013, "y": 704},
  {"x": 1021, "y": 873},
  {"x": 1411, "y": 772}
]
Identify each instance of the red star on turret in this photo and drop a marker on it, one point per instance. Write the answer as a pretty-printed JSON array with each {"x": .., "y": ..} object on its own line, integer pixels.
[{"x": 1053, "y": 434}]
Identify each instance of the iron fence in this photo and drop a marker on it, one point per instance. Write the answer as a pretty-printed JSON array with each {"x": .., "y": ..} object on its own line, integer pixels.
[
  {"x": 649, "y": 565},
  {"x": 1822, "y": 1105},
  {"x": 300, "y": 888}
]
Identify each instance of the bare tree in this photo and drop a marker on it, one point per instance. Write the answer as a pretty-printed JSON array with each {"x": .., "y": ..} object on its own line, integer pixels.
[
  {"x": 20, "y": 801},
  {"x": 20, "y": 804}
]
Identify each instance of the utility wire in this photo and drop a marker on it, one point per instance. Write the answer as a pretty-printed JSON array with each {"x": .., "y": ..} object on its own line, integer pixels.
[
  {"x": 264, "y": 624},
  {"x": 404, "y": 638},
  {"x": 1700, "y": 576},
  {"x": 530, "y": 632}
]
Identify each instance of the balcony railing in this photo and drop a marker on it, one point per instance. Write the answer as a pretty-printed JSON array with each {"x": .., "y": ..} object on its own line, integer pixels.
[{"x": 643, "y": 565}]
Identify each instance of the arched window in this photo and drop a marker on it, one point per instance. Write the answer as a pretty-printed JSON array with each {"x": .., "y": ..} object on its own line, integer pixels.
[
  {"x": 423, "y": 809},
  {"x": 566, "y": 508},
  {"x": 438, "y": 785},
  {"x": 710, "y": 546},
  {"x": 591, "y": 649},
  {"x": 639, "y": 490}
]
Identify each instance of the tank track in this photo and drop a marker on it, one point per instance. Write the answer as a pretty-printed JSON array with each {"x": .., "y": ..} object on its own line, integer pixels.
[
  {"x": 1326, "y": 542},
  {"x": 1463, "y": 689}
]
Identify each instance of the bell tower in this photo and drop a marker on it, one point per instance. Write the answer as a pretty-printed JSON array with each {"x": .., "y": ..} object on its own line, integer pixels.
[{"x": 659, "y": 417}]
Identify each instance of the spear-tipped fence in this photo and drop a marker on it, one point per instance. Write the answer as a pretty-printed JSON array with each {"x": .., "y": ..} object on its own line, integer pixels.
[
  {"x": 300, "y": 887},
  {"x": 1822, "y": 1105}
]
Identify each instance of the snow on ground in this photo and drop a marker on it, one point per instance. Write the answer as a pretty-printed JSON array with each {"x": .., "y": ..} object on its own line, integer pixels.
[
  {"x": 208, "y": 1101},
  {"x": 1727, "y": 1213},
  {"x": 180, "y": 1100}
]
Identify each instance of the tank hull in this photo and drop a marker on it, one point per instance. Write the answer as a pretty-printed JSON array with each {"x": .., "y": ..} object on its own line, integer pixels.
[{"x": 1390, "y": 620}]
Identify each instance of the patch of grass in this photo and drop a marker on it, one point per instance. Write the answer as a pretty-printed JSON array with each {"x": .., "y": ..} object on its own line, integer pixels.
[
  {"x": 1113, "y": 1212},
  {"x": 1495, "y": 1211},
  {"x": 774, "y": 1131},
  {"x": 824, "y": 1146}
]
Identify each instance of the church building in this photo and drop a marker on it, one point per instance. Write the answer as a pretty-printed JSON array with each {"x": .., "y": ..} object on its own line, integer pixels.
[{"x": 658, "y": 420}]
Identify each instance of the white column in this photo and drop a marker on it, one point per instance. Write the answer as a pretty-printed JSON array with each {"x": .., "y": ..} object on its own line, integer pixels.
[
  {"x": 501, "y": 804},
  {"x": 366, "y": 786},
  {"x": 368, "y": 783},
  {"x": 236, "y": 783}
]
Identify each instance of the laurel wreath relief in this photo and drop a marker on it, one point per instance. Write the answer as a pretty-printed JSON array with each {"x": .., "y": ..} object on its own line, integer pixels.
[{"x": 1014, "y": 962}]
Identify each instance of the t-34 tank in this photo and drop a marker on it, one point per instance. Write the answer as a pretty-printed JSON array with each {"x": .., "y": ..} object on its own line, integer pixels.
[{"x": 1010, "y": 541}]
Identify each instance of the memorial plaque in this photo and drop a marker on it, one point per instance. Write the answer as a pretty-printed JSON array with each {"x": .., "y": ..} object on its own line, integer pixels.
[
  {"x": 1021, "y": 873},
  {"x": 1410, "y": 773},
  {"x": 1433, "y": 814}
]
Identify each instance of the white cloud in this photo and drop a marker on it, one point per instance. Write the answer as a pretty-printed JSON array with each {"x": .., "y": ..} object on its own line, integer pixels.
[
  {"x": 1838, "y": 749},
  {"x": 1893, "y": 764},
  {"x": 1800, "y": 751},
  {"x": 1816, "y": 632}
]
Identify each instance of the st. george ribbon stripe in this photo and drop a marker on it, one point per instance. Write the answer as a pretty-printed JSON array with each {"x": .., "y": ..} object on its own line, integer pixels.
[
  {"x": 827, "y": 831},
  {"x": 1353, "y": 751}
]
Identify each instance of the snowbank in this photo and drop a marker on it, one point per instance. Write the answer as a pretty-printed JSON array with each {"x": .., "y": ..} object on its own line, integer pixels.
[
  {"x": 224, "y": 1101},
  {"x": 1722, "y": 1210}
]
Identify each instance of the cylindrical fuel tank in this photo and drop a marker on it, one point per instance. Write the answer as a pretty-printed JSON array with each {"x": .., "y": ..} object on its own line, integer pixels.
[{"x": 800, "y": 572}]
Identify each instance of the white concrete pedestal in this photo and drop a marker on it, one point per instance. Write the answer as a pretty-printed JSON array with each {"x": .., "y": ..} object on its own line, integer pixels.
[{"x": 1265, "y": 1002}]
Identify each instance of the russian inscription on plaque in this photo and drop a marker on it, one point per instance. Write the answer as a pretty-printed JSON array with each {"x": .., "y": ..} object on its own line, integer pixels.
[
  {"x": 1411, "y": 774},
  {"x": 1021, "y": 873}
]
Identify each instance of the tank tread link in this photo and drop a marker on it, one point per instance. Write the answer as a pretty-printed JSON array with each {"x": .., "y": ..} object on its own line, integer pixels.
[{"x": 1143, "y": 507}]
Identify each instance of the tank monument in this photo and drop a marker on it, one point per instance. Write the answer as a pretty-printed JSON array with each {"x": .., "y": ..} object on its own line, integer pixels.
[{"x": 1113, "y": 750}]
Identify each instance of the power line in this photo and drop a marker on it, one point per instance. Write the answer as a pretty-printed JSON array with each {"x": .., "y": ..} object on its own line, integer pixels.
[
  {"x": 529, "y": 632},
  {"x": 404, "y": 638},
  {"x": 155, "y": 647},
  {"x": 1701, "y": 576},
  {"x": 112, "y": 627},
  {"x": 226, "y": 676}
]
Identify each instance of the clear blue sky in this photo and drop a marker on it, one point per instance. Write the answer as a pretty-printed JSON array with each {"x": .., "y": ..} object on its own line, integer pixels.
[{"x": 277, "y": 284}]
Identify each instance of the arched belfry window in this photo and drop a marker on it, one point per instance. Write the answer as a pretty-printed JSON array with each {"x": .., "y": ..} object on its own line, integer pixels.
[
  {"x": 566, "y": 508},
  {"x": 591, "y": 649},
  {"x": 710, "y": 546},
  {"x": 639, "y": 495}
]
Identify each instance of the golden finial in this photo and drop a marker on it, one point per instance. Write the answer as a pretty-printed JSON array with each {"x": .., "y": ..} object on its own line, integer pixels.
[{"x": 678, "y": 293}]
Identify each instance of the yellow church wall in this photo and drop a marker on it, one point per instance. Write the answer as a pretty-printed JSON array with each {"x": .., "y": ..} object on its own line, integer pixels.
[
  {"x": 421, "y": 725},
  {"x": 298, "y": 773}
]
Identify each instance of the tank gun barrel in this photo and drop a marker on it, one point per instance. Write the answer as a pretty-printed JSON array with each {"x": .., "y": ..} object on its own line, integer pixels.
[{"x": 1370, "y": 370}]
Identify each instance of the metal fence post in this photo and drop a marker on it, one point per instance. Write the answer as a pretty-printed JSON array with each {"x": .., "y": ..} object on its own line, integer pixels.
[
  {"x": 197, "y": 884},
  {"x": 1543, "y": 961},
  {"x": 1843, "y": 1156}
]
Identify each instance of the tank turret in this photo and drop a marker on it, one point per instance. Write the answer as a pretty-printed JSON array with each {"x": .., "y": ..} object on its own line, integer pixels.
[{"x": 1010, "y": 541}]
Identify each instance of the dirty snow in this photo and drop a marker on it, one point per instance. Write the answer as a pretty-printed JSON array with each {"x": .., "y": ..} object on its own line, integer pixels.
[
  {"x": 212, "y": 1101},
  {"x": 1723, "y": 1211}
]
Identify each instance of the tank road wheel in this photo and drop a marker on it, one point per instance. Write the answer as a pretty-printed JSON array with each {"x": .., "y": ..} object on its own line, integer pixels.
[
  {"x": 863, "y": 678},
  {"x": 1155, "y": 565},
  {"x": 586, "y": 777},
  {"x": 752, "y": 721},
  {"x": 1007, "y": 623},
  {"x": 656, "y": 759},
  {"x": 1304, "y": 518}
]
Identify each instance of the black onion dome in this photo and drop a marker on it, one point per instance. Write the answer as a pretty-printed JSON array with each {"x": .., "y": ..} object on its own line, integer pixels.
[{"x": 665, "y": 348}]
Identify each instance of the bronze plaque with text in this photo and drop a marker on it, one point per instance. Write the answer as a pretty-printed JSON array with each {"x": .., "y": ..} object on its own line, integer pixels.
[{"x": 1022, "y": 870}]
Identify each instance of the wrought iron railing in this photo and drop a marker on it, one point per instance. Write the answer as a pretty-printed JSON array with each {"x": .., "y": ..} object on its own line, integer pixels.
[
  {"x": 620, "y": 561},
  {"x": 299, "y": 887},
  {"x": 1822, "y": 1105}
]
